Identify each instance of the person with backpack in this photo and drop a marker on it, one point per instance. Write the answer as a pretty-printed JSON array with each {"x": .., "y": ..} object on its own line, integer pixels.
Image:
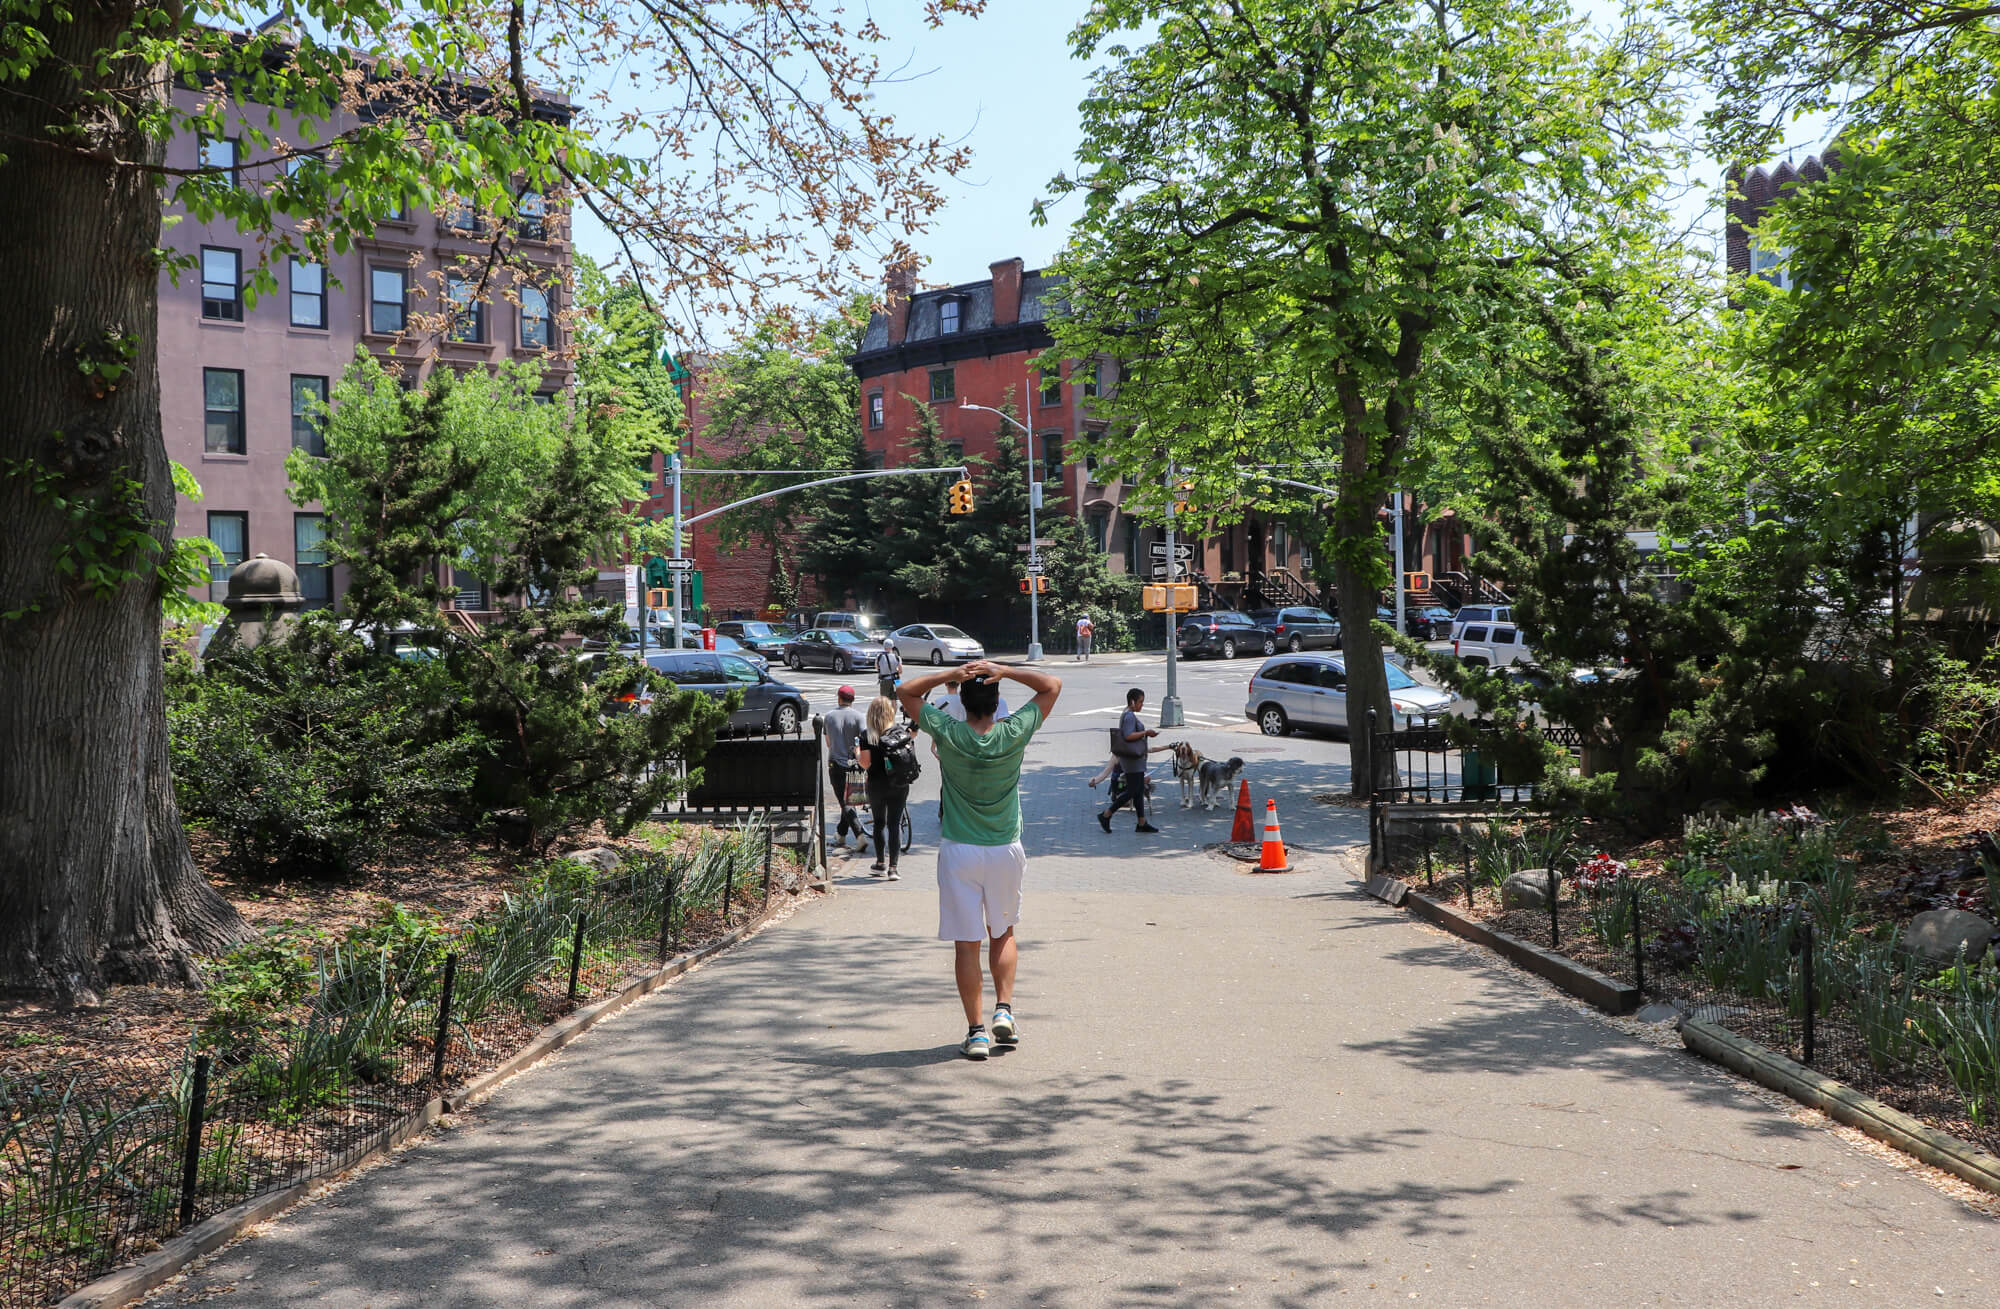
[
  {"x": 889, "y": 669},
  {"x": 889, "y": 754},
  {"x": 1083, "y": 634}
]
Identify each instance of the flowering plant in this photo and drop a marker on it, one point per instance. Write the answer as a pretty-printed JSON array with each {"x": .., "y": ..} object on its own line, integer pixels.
[
  {"x": 1798, "y": 814},
  {"x": 1599, "y": 872}
]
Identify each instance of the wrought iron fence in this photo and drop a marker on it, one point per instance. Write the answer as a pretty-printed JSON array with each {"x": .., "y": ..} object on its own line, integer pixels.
[
  {"x": 104, "y": 1154},
  {"x": 1442, "y": 788}
]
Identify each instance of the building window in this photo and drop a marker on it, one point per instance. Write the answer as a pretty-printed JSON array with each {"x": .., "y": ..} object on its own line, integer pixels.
[
  {"x": 388, "y": 299},
  {"x": 534, "y": 318},
  {"x": 1052, "y": 457},
  {"x": 878, "y": 459},
  {"x": 1092, "y": 376},
  {"x": 221, "y": 284},
  {"x": 1769, "y": 264},
  {"x": 469, "y": 586},
  {"x": 225, "y": 156},
  {"x": 308, "y": 410},
  {"x": 531, "y": 221},
  {"x": 468, "y": 312},
  {"x": 308, "y": 294},
  {"x": 947, "y": 317},
  {"x": 1281, "y": 544},
  {"x": 874, "y": 409},
  {"x": 954, "y": 452},
  {"x": 1051, "y": 389},
  {"x": 300, "y": 163},
  {"x": 400, "y": 213},
  {"x": 310, "y": 559},
  {"x": 222, "y": 399},
  {"x": 944, "y": 384},
  {"x": 543, "y": 397},
  {"x": 1100, "y": 533},
  {"x": 231, "y": 534},
  {"x": 461, "y": 216}
]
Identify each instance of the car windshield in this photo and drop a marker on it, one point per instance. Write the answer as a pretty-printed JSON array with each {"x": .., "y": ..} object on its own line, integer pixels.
[
  {"x": 845, "y": 638},
  {"x": 1398, "y": 679},
  {"x": 944, "y": 633},
  {"x": 766, "y": 629}
]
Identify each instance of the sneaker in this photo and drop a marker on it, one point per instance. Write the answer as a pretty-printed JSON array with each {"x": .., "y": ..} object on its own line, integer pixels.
[
  {"x": 1143, "y": 827},
  {"x": 1104, "y": 821},
  {"x": 838, "y": 843},
  {"x": 878, "y": 867},
  {"x": 1004, "y": 1030},
  {"x": 894, "y": 876},
  {"x": 976, "y": 1045}
]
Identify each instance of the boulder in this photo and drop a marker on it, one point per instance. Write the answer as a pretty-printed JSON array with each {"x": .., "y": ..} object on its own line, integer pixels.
[
  {"x": 601, "y": 857},
  {"x": 1938, "y": 935},
  {"x": 1527, "y": 889}
]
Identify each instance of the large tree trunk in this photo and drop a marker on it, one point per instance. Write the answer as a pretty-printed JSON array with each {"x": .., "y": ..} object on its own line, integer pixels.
[
  {"x": 1357, "y": 537},
  {"x": 96, "y": 883}
]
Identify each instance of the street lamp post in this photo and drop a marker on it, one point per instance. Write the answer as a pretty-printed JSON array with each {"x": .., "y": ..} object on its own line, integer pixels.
[
  {"x": 1171, "y": 714},
  {"x": 1034, "y": 546}
]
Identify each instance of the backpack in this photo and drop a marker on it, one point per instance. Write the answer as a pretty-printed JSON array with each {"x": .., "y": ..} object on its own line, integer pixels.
[{"x": 899, "y": 756}]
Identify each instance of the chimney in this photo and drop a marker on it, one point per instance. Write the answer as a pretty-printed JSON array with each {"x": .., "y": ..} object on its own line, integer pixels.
[
  {"x": 900, "y": 281},
  {"x": 1006, "y": 292}
]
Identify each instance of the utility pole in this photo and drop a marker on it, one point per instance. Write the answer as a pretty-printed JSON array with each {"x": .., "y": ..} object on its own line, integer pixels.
[
  {"x": 1171, "y": 714},
  {"x": 1034, "y": 546},
  {"x": 675, "y": 580}
]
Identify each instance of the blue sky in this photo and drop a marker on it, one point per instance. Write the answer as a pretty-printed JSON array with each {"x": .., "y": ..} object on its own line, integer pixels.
[{"x": 1007, "y": 84}]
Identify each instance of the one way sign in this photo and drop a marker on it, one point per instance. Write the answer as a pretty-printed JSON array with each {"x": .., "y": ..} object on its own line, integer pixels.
[{"x": 1183, "y": 551}]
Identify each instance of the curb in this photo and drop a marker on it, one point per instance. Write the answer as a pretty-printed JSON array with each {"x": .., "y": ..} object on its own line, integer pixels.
[
  {"x": 126, "y": 1285},
  {"x": 1842, "y": 1102},
  {"x": 1607, "y": 993}
]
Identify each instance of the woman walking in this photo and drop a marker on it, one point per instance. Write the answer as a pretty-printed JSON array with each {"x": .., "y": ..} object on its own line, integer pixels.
[{"x": 888, "y": 753}]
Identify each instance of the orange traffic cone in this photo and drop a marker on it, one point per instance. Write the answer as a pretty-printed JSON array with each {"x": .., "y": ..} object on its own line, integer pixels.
[
  {"x": 1274, "y": 860},
  {"x": 1242, "y": 831}
]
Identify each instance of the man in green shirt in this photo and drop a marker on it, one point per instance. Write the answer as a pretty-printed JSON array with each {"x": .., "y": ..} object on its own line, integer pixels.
[{"x": 980, "y": 863}]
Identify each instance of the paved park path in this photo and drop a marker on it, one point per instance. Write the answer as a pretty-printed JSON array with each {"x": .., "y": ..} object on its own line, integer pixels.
[{"x": 1229, "y": 1091}]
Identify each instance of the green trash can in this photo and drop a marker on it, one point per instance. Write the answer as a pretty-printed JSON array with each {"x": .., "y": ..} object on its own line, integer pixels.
[{"x": 1482, "y": 776}]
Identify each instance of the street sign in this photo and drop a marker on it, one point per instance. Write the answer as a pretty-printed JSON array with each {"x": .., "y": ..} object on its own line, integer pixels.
[
  {"x": 1183, "y": 551},
  {"x": 1160, "y": 571},
  {"x": 1033, "y": 569},
  {"x": 680, "y": 565},
  {"x": 1039, "y": 541}
]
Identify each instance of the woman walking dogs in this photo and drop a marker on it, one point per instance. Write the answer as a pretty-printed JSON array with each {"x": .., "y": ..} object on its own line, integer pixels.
[{"x": 980, "y": 862}]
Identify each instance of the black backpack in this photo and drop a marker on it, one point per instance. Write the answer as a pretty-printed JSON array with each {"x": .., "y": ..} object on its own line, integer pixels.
[{"x": 899, "y": 756}]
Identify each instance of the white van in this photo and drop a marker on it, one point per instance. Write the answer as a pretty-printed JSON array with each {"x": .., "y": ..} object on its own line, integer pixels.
[
  {"x": 1492, "y": 645},
  {"x": 1479, "y": 614}
]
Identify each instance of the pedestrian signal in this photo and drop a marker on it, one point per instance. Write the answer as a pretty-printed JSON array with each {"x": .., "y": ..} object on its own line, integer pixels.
[
  {"x": 1180, "y": 489},
  {"x": 961, "y": 497},
  {"x": 1416, "y": 581},
  {"x": 1039, "y": 585},
  {"x": 1167, "y": 599}
]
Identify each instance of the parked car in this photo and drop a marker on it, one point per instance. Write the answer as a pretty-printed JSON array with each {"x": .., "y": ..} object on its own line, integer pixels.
[
  {"x": 1309, "y": 692},
  {"x": 1425, "y": 622},
  {"x": 1300, "y": 627},
  {"x": 935, "y": 643},
  {"x": 1480, "y": 614},
  {"x": 767, "y": 702},
  {"x": 851, "y": 620},
  {"x": 766, "y": 639},
  {"x": 1225, "y": 632},
  {"x": 1492, "y": 645},
  {"x": 839, "y": 649}
]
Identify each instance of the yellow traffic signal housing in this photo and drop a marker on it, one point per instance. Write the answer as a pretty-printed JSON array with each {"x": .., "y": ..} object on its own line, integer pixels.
[
  {"x": 1180, "y": 489},
  {"x": 656, "y": 598},
  {"x": 1178, "y": 598},
  {"x": 961, "y": 497},
  {"x": 1416, "y": 581},
  {"x": 1039, "y": 585}
]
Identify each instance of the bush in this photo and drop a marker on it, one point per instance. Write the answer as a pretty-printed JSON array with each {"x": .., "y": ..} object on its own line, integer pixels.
[{"x": 307, "y": 755}]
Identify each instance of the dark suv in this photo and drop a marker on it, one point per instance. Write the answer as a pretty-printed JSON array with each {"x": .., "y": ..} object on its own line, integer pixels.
[
  {"x": 1300, "y": 627},
  {"x": 1226, "y": 633}
]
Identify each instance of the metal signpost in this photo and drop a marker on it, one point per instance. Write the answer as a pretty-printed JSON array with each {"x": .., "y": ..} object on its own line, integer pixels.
[
  {"x": 1034, "y": 546},
  {"x": 1171, "y": 713}
]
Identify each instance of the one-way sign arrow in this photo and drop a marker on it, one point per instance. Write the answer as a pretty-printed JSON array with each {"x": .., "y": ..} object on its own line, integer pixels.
[{"x": 1183, "y": 551}]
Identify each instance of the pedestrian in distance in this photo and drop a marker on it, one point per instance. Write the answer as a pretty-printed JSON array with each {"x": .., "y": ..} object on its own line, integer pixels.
[
  {"x": 844, "y": 727},
  {"x": 889, "y": 757},
  {"x": 1083, "y": 634},
  {"x": 1129, "y": 744},
  {"x": 980, "y": 862},
  {"x": 889, "y": 670}
]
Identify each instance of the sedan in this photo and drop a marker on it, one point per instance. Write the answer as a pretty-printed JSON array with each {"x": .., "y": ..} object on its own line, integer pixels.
[
  {"x": 935, "y": 643},
  {"x": 1309, "y": 692},
  {"x": 838, "y": 649}
]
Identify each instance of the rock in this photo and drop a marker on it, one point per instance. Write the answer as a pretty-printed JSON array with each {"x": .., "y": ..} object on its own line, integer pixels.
[
  {"x": 1938, "y": 934},
  {"x": 1527, "y": 889},
  {"x": 603, "y": 858},
  {"x": 1660, "y": 1013}
]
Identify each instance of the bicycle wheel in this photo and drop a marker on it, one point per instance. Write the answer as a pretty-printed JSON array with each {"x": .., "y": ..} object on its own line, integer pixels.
[{"x": 907, "y": 830}]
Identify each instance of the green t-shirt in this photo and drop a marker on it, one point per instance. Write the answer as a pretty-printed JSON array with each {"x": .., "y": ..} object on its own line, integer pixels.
[{"x": 982, "y": 774}]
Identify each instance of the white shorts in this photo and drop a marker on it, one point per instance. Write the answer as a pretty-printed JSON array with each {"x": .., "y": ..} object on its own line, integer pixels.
[{"x": 979, "y": 889}]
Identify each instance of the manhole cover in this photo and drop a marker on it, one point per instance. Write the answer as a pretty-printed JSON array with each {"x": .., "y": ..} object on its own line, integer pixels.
[{"x": 1248, "y": 851}]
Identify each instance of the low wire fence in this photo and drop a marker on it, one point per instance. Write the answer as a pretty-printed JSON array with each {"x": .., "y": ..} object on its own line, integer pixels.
[
  {"x": 105, "y": 1154},
  {"x": 1783, "y": 961}
]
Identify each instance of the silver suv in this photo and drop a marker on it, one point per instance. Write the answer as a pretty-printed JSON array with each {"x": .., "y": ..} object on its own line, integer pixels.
[{"x": 1310, "y": 692}]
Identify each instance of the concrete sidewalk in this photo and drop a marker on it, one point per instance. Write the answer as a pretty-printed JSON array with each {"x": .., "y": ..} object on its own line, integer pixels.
[{"x": 1260, "y": 1099}]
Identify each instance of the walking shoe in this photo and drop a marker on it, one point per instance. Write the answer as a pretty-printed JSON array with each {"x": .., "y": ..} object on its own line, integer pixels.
[
  {"x": 1004, "y": 1031},
  {"x": 895, "y": 876},
  {"x": 976, "y": 1045},
  {"x": 1145, "y": 827},
  {"x": 877, "y": 867},
  {"x": 1104, "y": 821}
]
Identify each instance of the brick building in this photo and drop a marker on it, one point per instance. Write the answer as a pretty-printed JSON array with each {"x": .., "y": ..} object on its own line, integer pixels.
[
  {"x": 977, "y": 341},
  {"x": 1751, "y": 195},
  {"x": 234, "y": 378}
]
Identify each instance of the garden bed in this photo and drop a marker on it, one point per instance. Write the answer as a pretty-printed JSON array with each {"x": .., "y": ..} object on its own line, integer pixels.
[{"x": 324, "y": 1031}]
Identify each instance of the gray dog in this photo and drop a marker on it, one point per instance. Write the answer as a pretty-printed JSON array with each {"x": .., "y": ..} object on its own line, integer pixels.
[{"x": 1215, "y": 777}]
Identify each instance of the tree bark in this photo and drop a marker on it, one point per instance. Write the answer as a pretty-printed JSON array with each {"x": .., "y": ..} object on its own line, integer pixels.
[
  {"x": 1356, "y": 532},
  {"x": 96, "y": 882}
]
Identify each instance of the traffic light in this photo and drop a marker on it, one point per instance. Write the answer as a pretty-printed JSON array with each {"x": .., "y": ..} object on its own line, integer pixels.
[
  {"x": 961, "y": 497},
  {"x": 657, "y": 573},
  {"x": 1181, "y": 489},
  {"x": 1416, "y": 581},
  {"x": 1039, "y": 585}
]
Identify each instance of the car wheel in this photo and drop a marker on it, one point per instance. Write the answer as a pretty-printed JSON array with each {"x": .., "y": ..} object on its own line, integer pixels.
[
  {"x": 843, "y": 665},
  {"x": 792, "y": 660},
  {"x": 1228, "y": 647},
  {"x": 1295, "y": 645},
  {"x": 1270, "y": 646},
  {"x": 1271, "y": 721},
  {"x": 937, "y": 657},
  {"x": 785, "y": 719}
]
